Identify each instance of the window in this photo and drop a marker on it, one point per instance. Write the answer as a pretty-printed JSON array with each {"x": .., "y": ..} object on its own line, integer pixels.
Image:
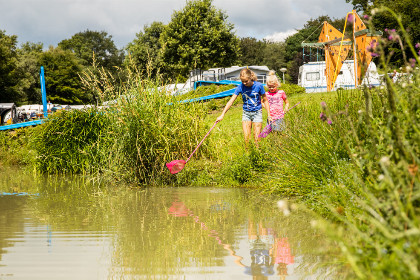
[{"x": 312, "y": 76}]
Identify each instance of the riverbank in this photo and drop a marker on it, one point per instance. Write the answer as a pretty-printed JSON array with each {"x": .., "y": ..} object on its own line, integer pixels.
[{"x": 350, "y": 156}]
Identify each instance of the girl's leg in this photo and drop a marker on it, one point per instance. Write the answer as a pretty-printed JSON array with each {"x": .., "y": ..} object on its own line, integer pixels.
[
  {"x": 257, "y": 130},
  {"x": 246, "y": 126}
]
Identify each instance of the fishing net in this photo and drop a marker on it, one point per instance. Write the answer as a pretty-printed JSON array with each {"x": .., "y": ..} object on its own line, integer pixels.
[{"x": 265, "y": 131}]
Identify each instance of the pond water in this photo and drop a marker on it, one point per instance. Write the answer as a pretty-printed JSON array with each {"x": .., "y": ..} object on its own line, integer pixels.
[{"x": 54, "y": 227}]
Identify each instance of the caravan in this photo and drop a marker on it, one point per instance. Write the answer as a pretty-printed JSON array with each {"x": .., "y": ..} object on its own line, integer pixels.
[{"x": 312, "y": 76}]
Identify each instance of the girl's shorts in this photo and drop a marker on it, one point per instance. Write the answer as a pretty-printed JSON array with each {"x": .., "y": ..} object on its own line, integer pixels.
[
  {"x": 255, "y": 116},
  {"x": 277, "y": 125}
]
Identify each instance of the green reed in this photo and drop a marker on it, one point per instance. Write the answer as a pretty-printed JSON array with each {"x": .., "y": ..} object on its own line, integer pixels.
[
  {"x": 131, "y": 139},
  {"x": 71, "y": 141},
  {"x": 153, "y": 128},
  {"x": 367, "y": 181}
]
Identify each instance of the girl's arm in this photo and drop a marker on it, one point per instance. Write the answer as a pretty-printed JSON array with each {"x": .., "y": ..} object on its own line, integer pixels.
[
  {"x": 286, "y": 107},
  {"x": 228, "y": 105},
  {"x": 266, "y": 105}
]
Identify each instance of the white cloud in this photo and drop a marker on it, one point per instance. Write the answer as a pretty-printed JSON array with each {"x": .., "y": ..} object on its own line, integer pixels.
[
  {"x": 51, "y": 21},
  {"x": 280, "y": 36}
]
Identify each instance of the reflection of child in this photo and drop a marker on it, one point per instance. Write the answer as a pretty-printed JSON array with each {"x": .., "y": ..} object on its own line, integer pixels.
[
  {"x": 282, "y": 255},
  {"x": 276, "y": 98},
  {"x": 260, "y": 241}
]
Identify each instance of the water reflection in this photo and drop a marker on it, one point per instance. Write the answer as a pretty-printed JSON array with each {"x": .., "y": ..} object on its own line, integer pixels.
[{"x": 74, "y": 230}]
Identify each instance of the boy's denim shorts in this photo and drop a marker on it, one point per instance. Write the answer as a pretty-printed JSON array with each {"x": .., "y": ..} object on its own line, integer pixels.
[
  {"x": 255, "y": 116},
  {"x": 278, "y": 125}
]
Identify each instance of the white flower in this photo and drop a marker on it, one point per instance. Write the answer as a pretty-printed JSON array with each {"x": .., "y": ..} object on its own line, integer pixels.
[
  {"x": 384, "y": 160},
  {"x": 284, "y": 206}
]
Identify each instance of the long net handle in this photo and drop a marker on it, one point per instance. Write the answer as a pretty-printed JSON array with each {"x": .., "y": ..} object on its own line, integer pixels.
[
  {"x": 292, "y": 107},
  {"x": 202, "y": 140},
  {"x": 289, "y": 109}
]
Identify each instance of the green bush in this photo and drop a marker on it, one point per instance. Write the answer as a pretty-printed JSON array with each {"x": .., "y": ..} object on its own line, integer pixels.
[
  {"x": 292, "y": 89},
  {"x": 14, "y": 147}
]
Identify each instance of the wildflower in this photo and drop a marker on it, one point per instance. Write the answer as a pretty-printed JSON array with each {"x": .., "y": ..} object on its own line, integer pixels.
[
  {"x": 329, "y": 121},
  {"x": 412, "y": 62},
  {"x": 350, "y": 18},
  {"x": 323, "y": 117},
  {"x": 384, "y": 160},
  {"x": 417, "y": 46},
  {"x": 393, "y": 35},
  {"x": 283, "y": 205},
  {"x": 371, "y": 48},
  {"x": 366, "y": 17},
  {"x": 323, "y": 105}
]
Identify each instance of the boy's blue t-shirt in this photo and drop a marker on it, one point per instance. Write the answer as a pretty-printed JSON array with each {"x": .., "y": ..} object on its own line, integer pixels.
[{"x": 251, "y": 96}]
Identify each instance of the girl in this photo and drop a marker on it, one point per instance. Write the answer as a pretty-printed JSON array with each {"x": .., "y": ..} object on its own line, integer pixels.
[
  {"x": 276, "y": 99},
  {"x": 253, "y": 94}
]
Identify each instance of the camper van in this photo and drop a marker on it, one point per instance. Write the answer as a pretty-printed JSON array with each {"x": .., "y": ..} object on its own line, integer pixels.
[{"x": 312, "y": 76}]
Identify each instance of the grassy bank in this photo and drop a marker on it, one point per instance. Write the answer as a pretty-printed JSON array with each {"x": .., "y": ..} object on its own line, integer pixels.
[{"x": 351, "y": 156}]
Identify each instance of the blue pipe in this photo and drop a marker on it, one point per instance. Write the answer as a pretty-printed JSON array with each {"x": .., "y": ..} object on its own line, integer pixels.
[{"x": 44, "y": 93}]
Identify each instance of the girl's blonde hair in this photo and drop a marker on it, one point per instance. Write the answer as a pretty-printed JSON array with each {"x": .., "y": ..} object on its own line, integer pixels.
[
  {"x": 248, "y": 74},
  {"x": 272, "y": 78}
]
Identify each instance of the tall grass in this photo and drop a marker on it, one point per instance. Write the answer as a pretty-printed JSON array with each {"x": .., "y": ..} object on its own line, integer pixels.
[
  {"x": 71, "y": 141},
  {"x": 151, "y": 132},
  {"x": 355, "y": 160},
  {"x": 132, "y": 139}
]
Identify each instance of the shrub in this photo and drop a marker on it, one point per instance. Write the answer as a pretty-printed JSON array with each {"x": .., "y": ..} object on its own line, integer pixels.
[{"x": 292, "y": 89}]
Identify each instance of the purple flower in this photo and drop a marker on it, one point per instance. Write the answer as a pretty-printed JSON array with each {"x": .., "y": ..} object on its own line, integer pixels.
[
  {"x": 366, "y": 17},
  {"x": 374, "y": 54},
  {"x": 323, "y": 104},
  {"x": 323, "y": 117},
  {"x": 417, "y": 46},
  {"x": 350, "y": 18},
  {"x": 386, "y": 29},
  {"x": 412, "y": 62},
  {"x": 329, "y": 121}
]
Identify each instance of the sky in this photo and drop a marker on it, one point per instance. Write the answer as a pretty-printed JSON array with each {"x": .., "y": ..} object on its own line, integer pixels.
[{"x": 51, "y": 21}]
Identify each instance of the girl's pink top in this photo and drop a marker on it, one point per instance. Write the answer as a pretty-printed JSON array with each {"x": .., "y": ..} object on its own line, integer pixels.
[{"x": 276, "y": 101}]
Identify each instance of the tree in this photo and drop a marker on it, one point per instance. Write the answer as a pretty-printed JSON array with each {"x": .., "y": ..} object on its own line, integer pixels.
[
  {"x": 8, "y": 64},
  {"x": 62, "y": 81},
  {"x": 199, "y": 36},
  {"x": 89, "y": 45},
  {"x": 251, "y": 51},
  {"x": 28, "y": 68},
  {"x": 274, "y": 55},
  {"x": 145, "y": 50}
]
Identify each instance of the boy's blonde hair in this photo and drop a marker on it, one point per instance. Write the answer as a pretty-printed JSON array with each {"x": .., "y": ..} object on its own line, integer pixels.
[
  {"x": 272, "y": 78},
  {"x": 248, "y": 74}
]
